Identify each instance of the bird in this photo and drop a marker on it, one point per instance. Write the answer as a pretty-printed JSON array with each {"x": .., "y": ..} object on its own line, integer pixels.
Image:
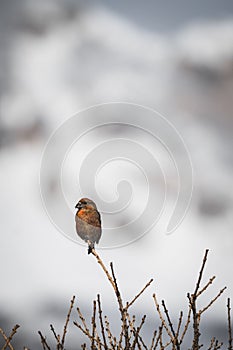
[{"x": 88, "y": 222}]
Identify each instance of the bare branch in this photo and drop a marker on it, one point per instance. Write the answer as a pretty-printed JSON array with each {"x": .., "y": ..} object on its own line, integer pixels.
[
  {"x": 206, "y": 286},
  {"x": 123, "y": 310},
  {"x": 44, "y": 342},
  {"x": 140, "y": 293},
  {"x": 229, "y": 324},
  {"x": 14, "y": 330},
  {"x": 211, "y": 343},
  {"x": 93, "y": 326},
  {"x": 201, "y": 272},
  {"x": 186, "y": 324},
  {"x": 101, "y": 322},
  {"x": 192, "y": 301},
  {"x": 137, "y": 333},
  {"x": 110, "y": 336},
  {"x": 212, "y": 301},
  {"x": 158, "y": 337},
  {"x": 179, "y": 324},
  {"x": 104, "y": 268},
  {"x": 168, "y": 318},
  {"x": 217, "y": 345},
  {"x": 113, "y": 281},
  {"x": 55, "y": 335},
  {"x": 83, "y": 321},
  {"x": 161, "y": 317},
  {"x": 153, "y": 339},
  {"x": 67, "y": 321},
  {"x": 6, "y": 339}
]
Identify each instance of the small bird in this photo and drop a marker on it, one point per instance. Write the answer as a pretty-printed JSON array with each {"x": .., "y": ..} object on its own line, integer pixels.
[{"x": 88, "y": 222}]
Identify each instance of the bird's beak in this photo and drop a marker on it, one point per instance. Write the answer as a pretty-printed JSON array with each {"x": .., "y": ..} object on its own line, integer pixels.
[{"x": 78, "y": 206}]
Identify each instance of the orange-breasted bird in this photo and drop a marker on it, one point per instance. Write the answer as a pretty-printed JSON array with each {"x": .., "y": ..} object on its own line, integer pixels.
[{"x": 88, "y": 222}]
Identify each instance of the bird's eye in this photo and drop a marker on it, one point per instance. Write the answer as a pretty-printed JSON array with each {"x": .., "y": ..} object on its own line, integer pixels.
[{"x": 84, "y": 203}]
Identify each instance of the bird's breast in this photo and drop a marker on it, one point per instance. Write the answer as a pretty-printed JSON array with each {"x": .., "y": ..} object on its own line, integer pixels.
[{"x": 91, "y": 217}]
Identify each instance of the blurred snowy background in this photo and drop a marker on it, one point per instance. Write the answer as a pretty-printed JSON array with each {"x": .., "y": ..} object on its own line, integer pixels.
[{"x": 58, "y": 57}]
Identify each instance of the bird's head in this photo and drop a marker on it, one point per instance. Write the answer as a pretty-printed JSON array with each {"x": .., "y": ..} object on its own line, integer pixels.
[{"x": 85, "y": 203}]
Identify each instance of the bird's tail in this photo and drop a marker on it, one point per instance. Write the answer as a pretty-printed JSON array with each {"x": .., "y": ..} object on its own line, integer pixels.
[{"x": 90, "y": 247}]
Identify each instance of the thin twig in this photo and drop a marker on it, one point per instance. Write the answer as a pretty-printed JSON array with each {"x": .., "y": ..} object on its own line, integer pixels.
[
  {"x": 217, "y": 345},
  {"x": 133, "y": 330},
  {"x": 211, "y": 343},
  {"x": 158, "y": 337},
  {"x": 104, "y": 268},
  {"x": 186, "y": 324},
  {"x": 192, "y": 300},
  {"x": 67, "y": 321},
  {"x": 123, "y": 310},
  {"x": 93, "y": 326},
  {"x": 137, "y": 333},
  {"x": 44, "y": 342},
  {"x": 113, "y": 281},
  {"x": 87, "y": 333},
  {"x": 229, "y": 324},
  {"x": 161, "y": 317},
  {"x": 14, "y": 330},
  {"x": 110, "y": 336},
  {"x": 138, "y": 295},
  {"x": 153, "y": 339},
  {"x": 212, "y": 301},
  {"x": 161, "y": 340},
  {"x": 201, "y": 272},
  {"x": 179, "y": 324},
  {"x": 101, "y": 322},
  {"x": 196, "y": 321},
  {"x": 142, "y": 341},
  {"x": 168, "y": 318},
  {"x": 131, "y": 325},
  {"x": 206, "y": 286},
  {"x": 83, "y": 321},
  {"x": 6, "y": 338},
  {"x": 82, "y": 329},
  {"x": 56, "y": 336}
]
